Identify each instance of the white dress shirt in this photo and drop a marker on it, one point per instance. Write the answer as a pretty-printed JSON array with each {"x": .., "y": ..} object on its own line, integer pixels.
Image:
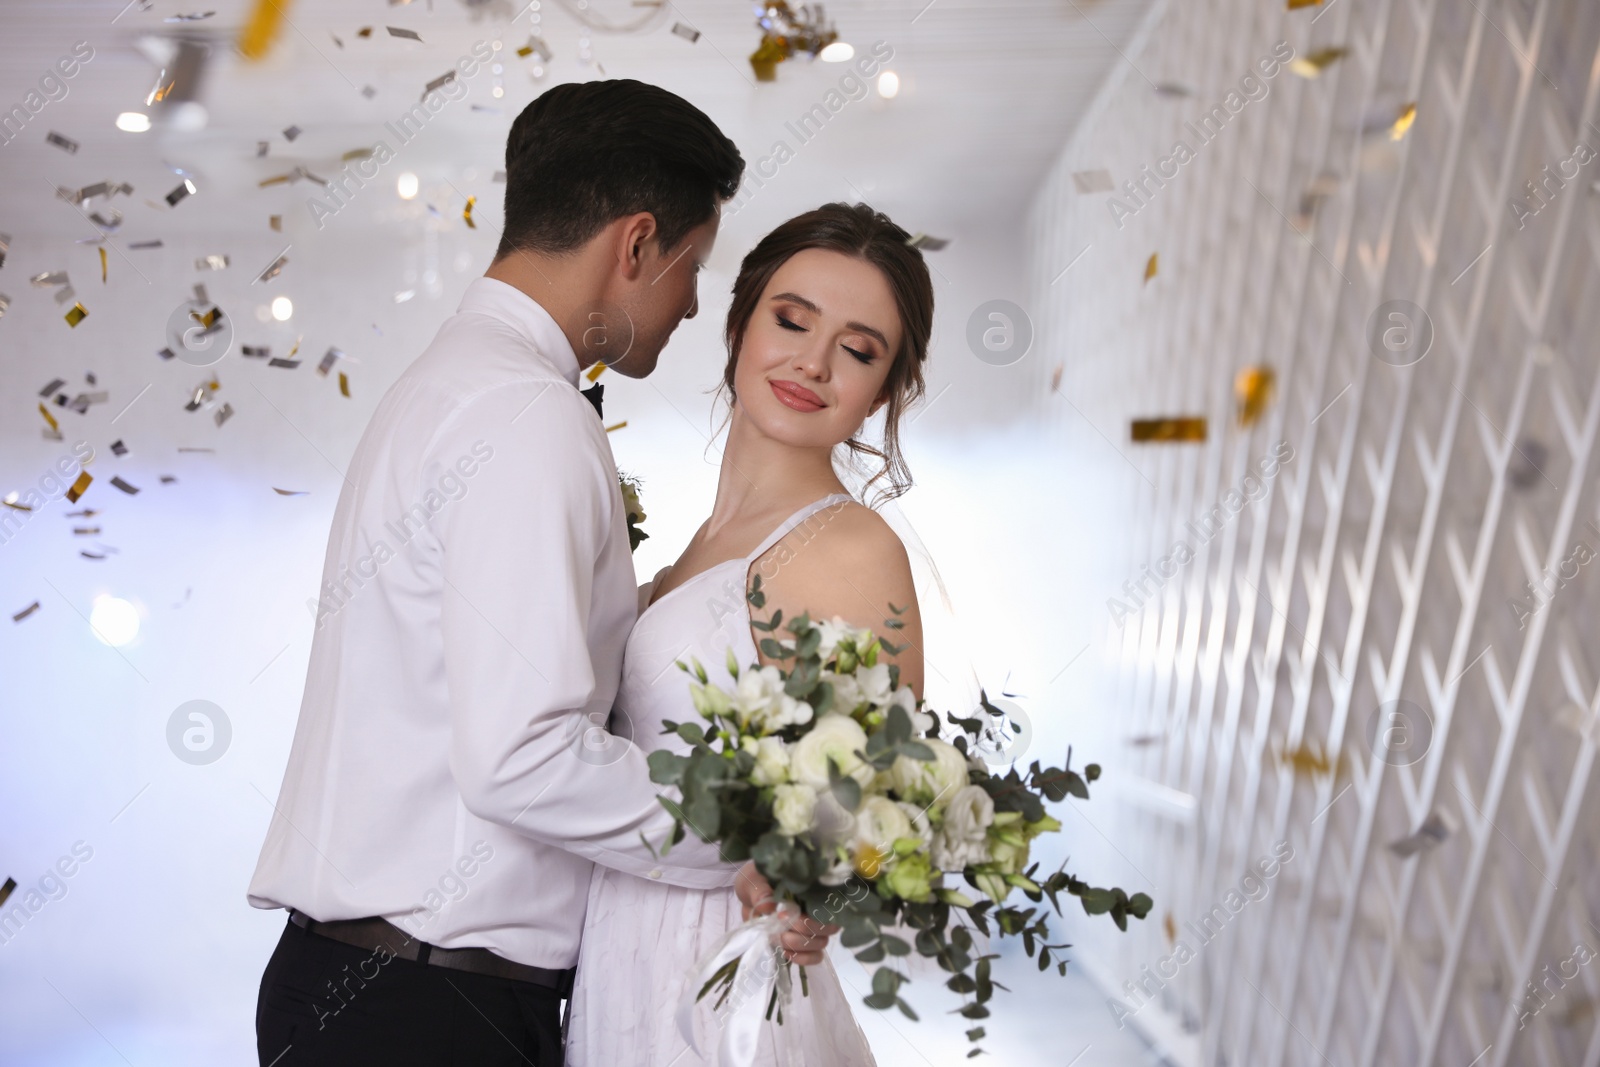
[{"x": 478, "y": 593}]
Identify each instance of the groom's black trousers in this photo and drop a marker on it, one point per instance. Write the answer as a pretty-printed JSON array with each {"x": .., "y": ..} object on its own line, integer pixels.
[{"x": 323, "y": 1002}]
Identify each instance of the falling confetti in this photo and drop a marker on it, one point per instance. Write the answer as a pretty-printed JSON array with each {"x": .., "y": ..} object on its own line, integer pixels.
[
  {"x": 1092, "y": 181},
  {"x": 444, "y": 79},
  {"x": 1187, "y": 428},
  {"x": 1296, "y": 5},
  {"x": 18, "y": 617},
  {"x": 291, "y": 132},
  {"x": 118, "y": 448},
  {"x": 102, "y": 265},
  {"x": 84, "y": 478},
  {"x": 224, "y": 413},
  {"x": 1429, "y": 835},
  {"x": 131, "y": 490},
  {"x": 290, "y": 492},
  {"x": 86, "y": 531},
  {"x": 594, "y": 372},
  {"x": 211, "y": 263},
  {"x": 926, "y": 243},
  {"x": 1169, "y": 926},
  {"x": 196, "y": 17},
  {"x": 51, "y": 419},
  {"x": 1310, "y": 66},
  {"x": 1308, "y": 760},
  {"x": 289, "y": 363},
  {"x": 467, "y": 213},
  {"x": 49, "y": 277},
  {"x": 329, "y": 358},
  {"x": 76, "y": 315},
  {"x": 276, "y": 222},
  {"x": 5, "y": 246},
  {"x": 1252, "y": 391},
  {"x": 1408, "y": 115},
  {"x": 145, "y": 244},
  {"x": 688, "y": 33},
  {"x": 66, "y": 144},
  {"x": 255, "y": 352},
  {"x": 274, "y": 268},
  {"x": 1174, "y": 90},
  {"x": 344, "y": 384},
  {"x": 616, "y": 425},
  {"x": 182, "y": 192},
  {"x": 410, "y": 35},
  {"x": 1150, "y": 267}
]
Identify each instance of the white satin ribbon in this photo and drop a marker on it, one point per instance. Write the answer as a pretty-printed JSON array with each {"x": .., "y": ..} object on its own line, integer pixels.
[{"x": 761, "y": 968}]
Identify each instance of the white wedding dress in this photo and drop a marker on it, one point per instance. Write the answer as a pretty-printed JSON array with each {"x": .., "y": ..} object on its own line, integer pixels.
[{"x": 641, "y": 939}]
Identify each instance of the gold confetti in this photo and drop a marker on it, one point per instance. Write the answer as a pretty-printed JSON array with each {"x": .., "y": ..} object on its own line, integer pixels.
[
  {"x": 1408, "y": 115},
  {"x": 76, "y": 315},
  {"x": 290, "y": 492},
  {"x": 1181, "y": 428},
  {"x": 765, "y": 59},
  {"x": 1150, "y": 267},
  {"x": 102, "y": 264},
  {"x": 595, "y": 371},
  {"x": 616, "y": 425},
  {"x": 344, "y": 384},
  {"x": 208, "y": 319},
  {"x": 276, "y": 222},
  {"x": 356, "y": 154},
  {"x": 467, "y": 214},
  {"x": 1308, "y": 760},
  {"x": 1169, "y": 927},
  {"x": 276, "y": 179},
  {"x": 365, "y": 31},
  {"x": 261, "y": 27},
  {"x": 84, "y": 478},
  {"x": 51, "y": 419},
  {"x": 1252, "y": 392},
  {"x": 10, "y": 501},
  {"x": 18, "y": 617},
  {"x": 1314, "y": 64},
  {"x": 85, "y": 531},
  {"x": 1296, "y": 5}
]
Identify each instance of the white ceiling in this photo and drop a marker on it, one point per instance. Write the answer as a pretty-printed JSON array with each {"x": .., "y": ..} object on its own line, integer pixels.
[{"x": 990, "y": 91}]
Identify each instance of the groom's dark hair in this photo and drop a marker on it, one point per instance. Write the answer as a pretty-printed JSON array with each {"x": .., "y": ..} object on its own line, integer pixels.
[{"x": 586, "y": 153}]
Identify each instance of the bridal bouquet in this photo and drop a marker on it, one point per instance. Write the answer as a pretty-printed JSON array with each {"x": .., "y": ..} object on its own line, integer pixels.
[{"x": 829, "y": 775}]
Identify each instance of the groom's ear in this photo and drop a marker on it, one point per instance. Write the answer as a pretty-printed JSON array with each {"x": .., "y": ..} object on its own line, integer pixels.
[{"x": 634, "y": 237}]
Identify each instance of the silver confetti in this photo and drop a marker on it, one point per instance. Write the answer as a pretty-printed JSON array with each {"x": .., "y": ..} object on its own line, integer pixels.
[
  {"x": 444, "y": 79},
  {"x": 182, "y": 192},
  {"x": 65, "y": 143},
  {"x": 332, "y": 356},
  {"x": 1429, "y": 835},
  {"x": 688, "y": 33},
  {"x": 5, "y": 246},
  {"x": 274, "y": 269},
  {"x": 291, "y": 132},
  {"x": 1092, "y": 181},
  {"x": 224, "y": 413},
  {"x": 410, "y": 35},
  {"x": 211, "y": 263},
  {"x": 49, "y": 277}
]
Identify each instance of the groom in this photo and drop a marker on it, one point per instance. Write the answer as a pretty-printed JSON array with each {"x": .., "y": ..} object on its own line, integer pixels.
[{"x": 441, "y": 808}]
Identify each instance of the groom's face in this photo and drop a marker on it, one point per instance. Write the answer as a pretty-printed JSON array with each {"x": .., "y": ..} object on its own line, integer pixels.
[{"x": 664, "y": 295}]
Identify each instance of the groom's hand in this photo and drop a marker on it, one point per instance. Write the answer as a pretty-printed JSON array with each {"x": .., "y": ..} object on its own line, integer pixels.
[{"x": 805, "y": 940}]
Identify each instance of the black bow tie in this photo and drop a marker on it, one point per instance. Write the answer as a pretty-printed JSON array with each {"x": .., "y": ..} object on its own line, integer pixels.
[{"x": 593, "y": 395}]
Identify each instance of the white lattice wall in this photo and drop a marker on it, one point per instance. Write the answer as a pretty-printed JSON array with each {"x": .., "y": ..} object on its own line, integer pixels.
[{"x": 1242, "y": 705}]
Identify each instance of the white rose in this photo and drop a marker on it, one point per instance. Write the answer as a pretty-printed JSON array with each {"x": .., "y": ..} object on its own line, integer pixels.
[
  {"x": 920, "y": 827},
  {"x": 932, "y": 782},
  {"x": 874, "y": 683},
  {"x": 963, "y": 839},
  {"x": 839, "y": 873},
  {"x": 772, "y": 760},
  {"x": 759, "y": 700},
  {"x": 835, "y": 737},
  {"x": 792, "y": 807},
  {"x": 879, "y": 822},
  {"x": 846, "y": 692}
]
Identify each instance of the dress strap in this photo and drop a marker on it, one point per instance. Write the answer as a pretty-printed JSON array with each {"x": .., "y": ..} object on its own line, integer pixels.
[{"x": 795, "y": 520}]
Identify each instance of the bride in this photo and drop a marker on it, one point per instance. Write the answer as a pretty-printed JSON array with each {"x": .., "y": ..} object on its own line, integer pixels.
[{"x": 829, "y": 322}]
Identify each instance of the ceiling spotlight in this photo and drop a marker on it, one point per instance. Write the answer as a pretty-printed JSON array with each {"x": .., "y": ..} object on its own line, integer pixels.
[
  {"x": 888, "y": 84},
  {"x": 837, "y": 52},
  {"x": 133, "y": 121},
  {"x": 407, "y": 186},
  {"x": 115, "y": 621},
  {"x": 282, "y": 308}
]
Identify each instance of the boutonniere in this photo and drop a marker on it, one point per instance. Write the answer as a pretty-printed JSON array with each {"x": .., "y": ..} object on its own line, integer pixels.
[{"x": 630, "y": 499}]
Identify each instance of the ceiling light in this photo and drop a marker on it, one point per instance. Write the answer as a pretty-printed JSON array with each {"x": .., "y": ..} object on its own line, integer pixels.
[
  {"x": 888, "y": 84},
  {"x": 282, "y": 308},
  {"x": 407, "y": 185},
  {"x": 133, "y": 121},
  {"x": 115, "y": 621},
  {"x": 837, "y": 52}
]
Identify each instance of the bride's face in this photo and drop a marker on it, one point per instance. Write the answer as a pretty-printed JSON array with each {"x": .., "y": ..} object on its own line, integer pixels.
[{"x": 818, "y": 349}]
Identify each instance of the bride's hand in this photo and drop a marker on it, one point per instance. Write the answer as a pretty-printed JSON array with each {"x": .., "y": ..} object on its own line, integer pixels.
[{"x": 805, "y": 940}]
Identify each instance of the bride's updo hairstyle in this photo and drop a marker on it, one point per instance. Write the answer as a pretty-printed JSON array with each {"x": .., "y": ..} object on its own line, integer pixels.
[{"x": 852, "y": 230}]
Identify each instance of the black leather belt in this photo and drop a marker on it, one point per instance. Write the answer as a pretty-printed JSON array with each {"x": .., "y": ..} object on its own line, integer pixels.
[{"x": 377, "y": 933}]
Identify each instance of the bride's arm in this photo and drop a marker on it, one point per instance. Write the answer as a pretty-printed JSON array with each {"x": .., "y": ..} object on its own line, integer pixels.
[{"x": 854, "y": 567}]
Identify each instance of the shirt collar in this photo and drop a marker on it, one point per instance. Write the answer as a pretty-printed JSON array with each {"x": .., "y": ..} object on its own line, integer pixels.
[{"x": 527, "y": 316}]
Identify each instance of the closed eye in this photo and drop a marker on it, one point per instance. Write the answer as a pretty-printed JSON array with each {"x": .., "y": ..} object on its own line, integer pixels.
[
  {"x": 786, "y": 324},
  {"x": 865, "y": 357}
]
